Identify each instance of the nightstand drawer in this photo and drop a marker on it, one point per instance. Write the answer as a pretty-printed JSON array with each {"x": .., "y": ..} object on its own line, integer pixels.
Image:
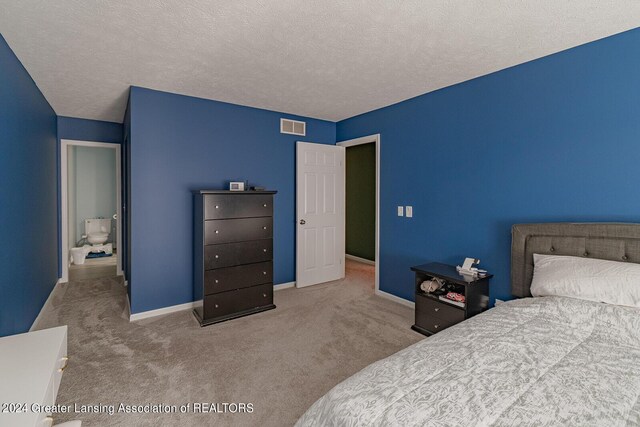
[
  {"x": 439, "y": 310},
  {"x": 433, "y": 324}
]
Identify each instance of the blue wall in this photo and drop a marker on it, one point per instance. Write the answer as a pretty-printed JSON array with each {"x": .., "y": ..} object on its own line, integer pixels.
[
  {"x": 179, "y": 143},
  {"x": 89, "y": 130},
  {"x": 82, "y": 130},
  {"x": 556, "y": 139},
  {"x": 27, "y": 196},
  {"x": 126, "y": 194}
]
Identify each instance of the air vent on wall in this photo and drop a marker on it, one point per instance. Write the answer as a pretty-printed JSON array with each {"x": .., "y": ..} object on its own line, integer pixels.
[{"x": 293, "y": 127}]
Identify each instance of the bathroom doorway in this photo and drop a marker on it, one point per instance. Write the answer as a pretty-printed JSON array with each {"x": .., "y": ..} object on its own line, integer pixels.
[{"x": 91, "y": 225}]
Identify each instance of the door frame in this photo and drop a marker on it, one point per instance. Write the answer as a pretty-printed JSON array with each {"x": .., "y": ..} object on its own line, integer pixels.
[
  {"x": 64, "y": 201},
  {"x": 375, "y": 139}
]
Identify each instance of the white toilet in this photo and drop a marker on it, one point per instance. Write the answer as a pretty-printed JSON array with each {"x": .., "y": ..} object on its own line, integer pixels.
[{"x": 97, "y": 230}]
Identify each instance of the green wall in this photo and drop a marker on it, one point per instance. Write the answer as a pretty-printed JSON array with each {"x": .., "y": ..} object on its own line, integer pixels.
[{"x": 361, "y": 201}]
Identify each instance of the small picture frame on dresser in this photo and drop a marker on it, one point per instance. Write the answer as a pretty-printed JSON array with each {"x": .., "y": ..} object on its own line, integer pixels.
[
  {"x": 435, "y": 312},
  {"x": 236, "y": 186}
]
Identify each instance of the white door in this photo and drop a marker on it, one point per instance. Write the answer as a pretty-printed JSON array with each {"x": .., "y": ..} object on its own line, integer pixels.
[{"x": 320, "y": 175}]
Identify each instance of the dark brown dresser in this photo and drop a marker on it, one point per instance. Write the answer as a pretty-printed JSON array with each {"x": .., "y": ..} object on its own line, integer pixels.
[{"x": 232, "y": 254}]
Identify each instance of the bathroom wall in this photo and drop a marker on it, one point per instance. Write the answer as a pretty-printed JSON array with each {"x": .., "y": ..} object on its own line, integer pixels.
[
  {"x": 28, "y": 229},
  {"x": 92, "y": 186}
]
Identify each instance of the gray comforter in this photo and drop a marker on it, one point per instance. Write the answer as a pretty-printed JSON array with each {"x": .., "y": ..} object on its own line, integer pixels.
[{"x": 529, "y": 362}]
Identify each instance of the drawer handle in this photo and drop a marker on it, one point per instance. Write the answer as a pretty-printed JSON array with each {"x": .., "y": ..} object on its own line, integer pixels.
[
  {"x": 217, "y": 231},
  {"x": 264, "y": 228},
  {"x": 264, "y": 272},
  {"x": 66, "y": 362},
  {"x": 216, "y": 280},
  {"x": 217, "y": 207},
  {"x": 216, "y": 306},
  {"x": 264, "y": 250},
  {"x": 265, "y": 205},
  {"x": 436, "y": 309},
  {"x": 436, "y": 326},
  {"x": 264, "y": 295},
  {"x": 217, "y": 257}
]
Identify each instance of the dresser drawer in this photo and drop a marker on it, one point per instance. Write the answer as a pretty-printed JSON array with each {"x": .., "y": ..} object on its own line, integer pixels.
[
  {"x": 438, "y": 309},
  {"x": 431, "y": 323},
  {"x": 231, "y": 302},
  {"x": 230, "y": 254},
  {"x": 242, "y": 276},
  {"x": 220, "y": 206},
  {"x": 237, "y": 230}
]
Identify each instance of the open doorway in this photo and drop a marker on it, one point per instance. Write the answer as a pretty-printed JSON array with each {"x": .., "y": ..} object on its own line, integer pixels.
[
  {"x": 91, "y": 203},
  {"x": 362, "y": 195}
]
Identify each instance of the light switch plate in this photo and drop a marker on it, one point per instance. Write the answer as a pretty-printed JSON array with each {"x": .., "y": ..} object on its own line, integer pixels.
[
  {"x": 409, "y": 211},
  {"x": 400, "y": 210}
]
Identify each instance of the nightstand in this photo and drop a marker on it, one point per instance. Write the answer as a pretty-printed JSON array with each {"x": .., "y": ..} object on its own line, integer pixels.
[{"x": 432, "y": 314}]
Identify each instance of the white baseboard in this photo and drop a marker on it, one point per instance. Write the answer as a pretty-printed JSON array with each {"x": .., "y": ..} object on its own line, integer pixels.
[
  {"x": 281, "y": 286},
  {"x": 46, "y": 303},
  {"x": 394, "y": 298},
  {"x": 362, "y": 260},
  {"x": 161, "y": 311}
]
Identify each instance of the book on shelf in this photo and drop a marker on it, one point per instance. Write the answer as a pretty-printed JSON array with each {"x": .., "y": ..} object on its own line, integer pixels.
[{"x": 450, "y": 301}]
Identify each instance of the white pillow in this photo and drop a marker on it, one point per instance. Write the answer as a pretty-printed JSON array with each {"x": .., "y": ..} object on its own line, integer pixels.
[{"x": 597, "y": 280}]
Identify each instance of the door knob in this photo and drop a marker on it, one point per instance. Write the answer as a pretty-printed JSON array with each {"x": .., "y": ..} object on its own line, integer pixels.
[{"x": 303, "y": 222}]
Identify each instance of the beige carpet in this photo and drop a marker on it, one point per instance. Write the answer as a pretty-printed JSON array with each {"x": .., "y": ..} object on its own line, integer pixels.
[{"x": 281, "y": 361}]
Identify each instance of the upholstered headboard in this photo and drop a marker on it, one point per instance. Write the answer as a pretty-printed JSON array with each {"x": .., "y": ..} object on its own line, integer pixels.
[{"x": 611, "y": 241}]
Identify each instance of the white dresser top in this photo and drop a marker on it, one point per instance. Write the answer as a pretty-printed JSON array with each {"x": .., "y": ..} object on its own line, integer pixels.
[{"x": 27, "y": 362}]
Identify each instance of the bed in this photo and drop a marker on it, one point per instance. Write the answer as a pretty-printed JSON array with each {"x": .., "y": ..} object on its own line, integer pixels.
[{"x": 527, "y": 362}]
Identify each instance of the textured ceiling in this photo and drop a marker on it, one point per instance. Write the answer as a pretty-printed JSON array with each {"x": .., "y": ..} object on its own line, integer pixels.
[{"x": 329, "y": 59}]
